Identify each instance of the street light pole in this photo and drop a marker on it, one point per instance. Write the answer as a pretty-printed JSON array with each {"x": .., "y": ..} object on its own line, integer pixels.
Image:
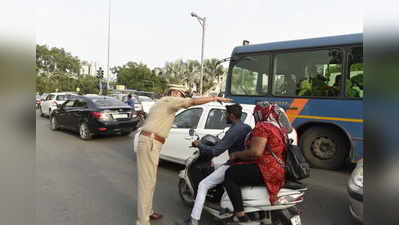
[
  {"x": 109, "y": 36},
  {"x": 202, "y": 22}
]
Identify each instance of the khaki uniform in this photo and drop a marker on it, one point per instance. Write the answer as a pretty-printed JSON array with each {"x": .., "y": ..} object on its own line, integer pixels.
[{"x": 159, "y": 122}]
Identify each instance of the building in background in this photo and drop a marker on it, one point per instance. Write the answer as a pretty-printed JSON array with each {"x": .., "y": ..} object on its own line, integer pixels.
[{"x": 87, "y": 67}]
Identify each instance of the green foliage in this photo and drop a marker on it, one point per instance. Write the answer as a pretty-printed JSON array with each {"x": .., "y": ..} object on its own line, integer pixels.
[
  {"x": 139, "y": 77},
  {"x": 88, "y": 84},
  {"x": 189, "y": 73},
  {"x": 61, "y": 82},
  {"x": 55, "y": 60},
  {"x": 58, "y": 70}
]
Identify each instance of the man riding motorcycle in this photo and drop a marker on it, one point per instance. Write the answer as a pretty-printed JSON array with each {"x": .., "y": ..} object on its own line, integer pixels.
[{"x": 233, "y": 140}]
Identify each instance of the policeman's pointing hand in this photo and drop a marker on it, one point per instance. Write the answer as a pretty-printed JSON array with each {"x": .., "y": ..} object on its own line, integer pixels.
[{"x": 220, "y": 99}]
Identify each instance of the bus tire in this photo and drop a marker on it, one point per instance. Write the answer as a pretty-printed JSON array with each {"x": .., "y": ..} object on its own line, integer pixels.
[{"x": 324, "y": 147}]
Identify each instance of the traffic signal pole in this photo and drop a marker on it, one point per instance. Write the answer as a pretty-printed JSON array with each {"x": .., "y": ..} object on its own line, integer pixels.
[
  {"x": 100, "y": 76},
  {"x": 101, "y": 88}
]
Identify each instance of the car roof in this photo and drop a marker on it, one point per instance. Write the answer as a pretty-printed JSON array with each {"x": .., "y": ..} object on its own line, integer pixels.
[
  {"x": 63, "y": 93},
  {"x": 93, "y": 96},
  {"x": 217, "y": 104},
  {"x": 303, "y": 43}
]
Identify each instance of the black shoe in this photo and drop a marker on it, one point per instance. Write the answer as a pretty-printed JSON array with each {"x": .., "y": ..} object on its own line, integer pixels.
[{"x": 241, "y": 219}]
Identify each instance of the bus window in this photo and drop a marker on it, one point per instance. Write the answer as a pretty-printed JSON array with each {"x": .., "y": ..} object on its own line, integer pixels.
[
  {"x": 354, "y": 83},
  {"x": 309, "y": 73},
  {"x": 250, "y": 75}
]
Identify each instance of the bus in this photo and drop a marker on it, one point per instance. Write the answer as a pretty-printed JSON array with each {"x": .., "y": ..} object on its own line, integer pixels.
[{"x": 318, "y": 81}]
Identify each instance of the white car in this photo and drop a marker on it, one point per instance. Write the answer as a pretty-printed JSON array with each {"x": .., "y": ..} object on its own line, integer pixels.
[
  {"x": 206, "y": 119},
  {"x": 146, "y": 103},
  {"x": 141, "y": 103},
  {"x": 52, "y": 100}
]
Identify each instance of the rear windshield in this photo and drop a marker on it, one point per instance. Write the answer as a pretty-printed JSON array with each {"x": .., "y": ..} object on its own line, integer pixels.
[
  {"x": 134, "y": 98},
  {"x": 108, "y": 102},
  {"x": 63, "y": 97}
]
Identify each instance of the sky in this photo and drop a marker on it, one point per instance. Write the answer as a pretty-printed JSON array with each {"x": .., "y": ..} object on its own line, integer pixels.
[{"x": 158, "y": 31}]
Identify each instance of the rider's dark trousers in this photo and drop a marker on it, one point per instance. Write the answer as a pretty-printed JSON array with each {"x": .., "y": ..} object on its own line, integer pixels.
[{"x": 241, "y": 175}]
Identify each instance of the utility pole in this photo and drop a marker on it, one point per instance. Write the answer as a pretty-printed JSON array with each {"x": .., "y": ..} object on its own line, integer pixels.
[{"x": 109, "y": 36}]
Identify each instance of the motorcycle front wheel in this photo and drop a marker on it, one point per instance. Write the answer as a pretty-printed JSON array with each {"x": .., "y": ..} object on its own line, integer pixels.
[{"x": 185, "y": 193}]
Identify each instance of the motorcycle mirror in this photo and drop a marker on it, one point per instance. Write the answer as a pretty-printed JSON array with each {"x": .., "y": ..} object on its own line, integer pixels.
[
  {"x": 223, "y": 132},
  {"x": 191, "y": 132},
  {"x": 226, "y": 129}
]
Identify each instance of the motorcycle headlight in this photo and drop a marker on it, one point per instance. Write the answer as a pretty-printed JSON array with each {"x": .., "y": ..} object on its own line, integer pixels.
[{"x": 356, "y": 180}]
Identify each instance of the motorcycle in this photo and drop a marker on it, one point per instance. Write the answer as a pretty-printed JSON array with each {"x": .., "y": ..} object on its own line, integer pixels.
[{"x": 287, "y": 209}]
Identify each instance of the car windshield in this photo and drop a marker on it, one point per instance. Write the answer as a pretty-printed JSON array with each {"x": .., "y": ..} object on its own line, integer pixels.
[
  {"x": 107, "y": 102},
  {"x": 63, "y": 97},
  {"x": 134, "y": 98}
]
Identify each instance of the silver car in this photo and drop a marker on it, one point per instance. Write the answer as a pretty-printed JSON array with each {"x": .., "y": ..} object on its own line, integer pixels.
[{"x": 355, "y": 190}]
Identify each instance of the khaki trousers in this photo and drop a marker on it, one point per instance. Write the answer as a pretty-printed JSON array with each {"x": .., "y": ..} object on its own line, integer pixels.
[{"x": 147, "y": 164}]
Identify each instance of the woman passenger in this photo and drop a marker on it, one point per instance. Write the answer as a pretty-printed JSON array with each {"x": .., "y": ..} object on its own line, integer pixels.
[{"x": 257, "y": 166}]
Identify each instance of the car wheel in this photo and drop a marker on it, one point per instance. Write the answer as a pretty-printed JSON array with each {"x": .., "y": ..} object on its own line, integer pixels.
[
  {"x": 53, "y": 123},
  {"x": 324, "y": 148},
  {"x": 84, "y": 131},
  {"x": 41, "y": 112},
  {"x": 185, "y": 193}
]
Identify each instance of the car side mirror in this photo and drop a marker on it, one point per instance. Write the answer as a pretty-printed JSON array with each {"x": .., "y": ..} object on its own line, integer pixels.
[{"x": 191, "y": 132}]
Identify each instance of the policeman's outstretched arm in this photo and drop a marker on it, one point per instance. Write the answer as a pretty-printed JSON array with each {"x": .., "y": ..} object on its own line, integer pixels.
[{"x": 204, "y": 100}]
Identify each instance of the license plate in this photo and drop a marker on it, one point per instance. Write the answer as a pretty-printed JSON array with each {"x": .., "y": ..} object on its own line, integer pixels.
[
  {"x": 119, "y": 116},
  {"x": 296, "y": 220}
]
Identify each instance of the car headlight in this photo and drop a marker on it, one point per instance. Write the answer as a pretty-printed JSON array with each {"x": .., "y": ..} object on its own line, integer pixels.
[{"x": 356, "y": 180}]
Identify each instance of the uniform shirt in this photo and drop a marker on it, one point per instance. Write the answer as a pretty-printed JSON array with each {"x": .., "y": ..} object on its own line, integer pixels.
[
  {"x": 233, "y": 140},
  {"x": 130, "y": 102},
  {"x": 162, "y": 114}
]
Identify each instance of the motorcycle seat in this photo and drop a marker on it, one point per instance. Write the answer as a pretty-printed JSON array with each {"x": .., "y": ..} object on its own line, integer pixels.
[
  {"x": 258, "y": 195},
  {"x": 294, "y": 185}
]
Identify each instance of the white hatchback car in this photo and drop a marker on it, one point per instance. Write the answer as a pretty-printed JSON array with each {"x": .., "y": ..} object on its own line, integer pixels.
[
  {"x": 52, "y": 100},
  {"x": 206, "y": 119}
]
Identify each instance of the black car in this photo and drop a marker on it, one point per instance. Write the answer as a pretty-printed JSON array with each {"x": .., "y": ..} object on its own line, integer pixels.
[{"x": 94, "y": 114}]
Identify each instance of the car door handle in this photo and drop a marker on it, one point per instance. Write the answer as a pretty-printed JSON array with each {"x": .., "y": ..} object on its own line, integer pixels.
[{"x": 188, "y": 138}]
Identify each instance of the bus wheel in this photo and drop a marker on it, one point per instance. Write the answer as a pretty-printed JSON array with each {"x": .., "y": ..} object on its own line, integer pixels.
[{"x": 324, "y": 147}]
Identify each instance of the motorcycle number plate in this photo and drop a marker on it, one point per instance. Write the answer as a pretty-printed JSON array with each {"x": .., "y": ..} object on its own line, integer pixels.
[{"x": 296, "y": 220}]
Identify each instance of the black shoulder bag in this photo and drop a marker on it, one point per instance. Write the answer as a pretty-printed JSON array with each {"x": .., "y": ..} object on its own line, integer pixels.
[{"x": 296, "y": 167}]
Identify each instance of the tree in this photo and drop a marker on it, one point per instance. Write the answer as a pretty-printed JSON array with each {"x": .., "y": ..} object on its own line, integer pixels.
[
  {"x": 212, "y": 72},
  {"x": 50, "y": 61},
  {"x": 139, "y": 77},
  {"x": 88, "y": 84},
  {"x": 189, "y": 73},
  {"x": 57, "y": 70}
]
